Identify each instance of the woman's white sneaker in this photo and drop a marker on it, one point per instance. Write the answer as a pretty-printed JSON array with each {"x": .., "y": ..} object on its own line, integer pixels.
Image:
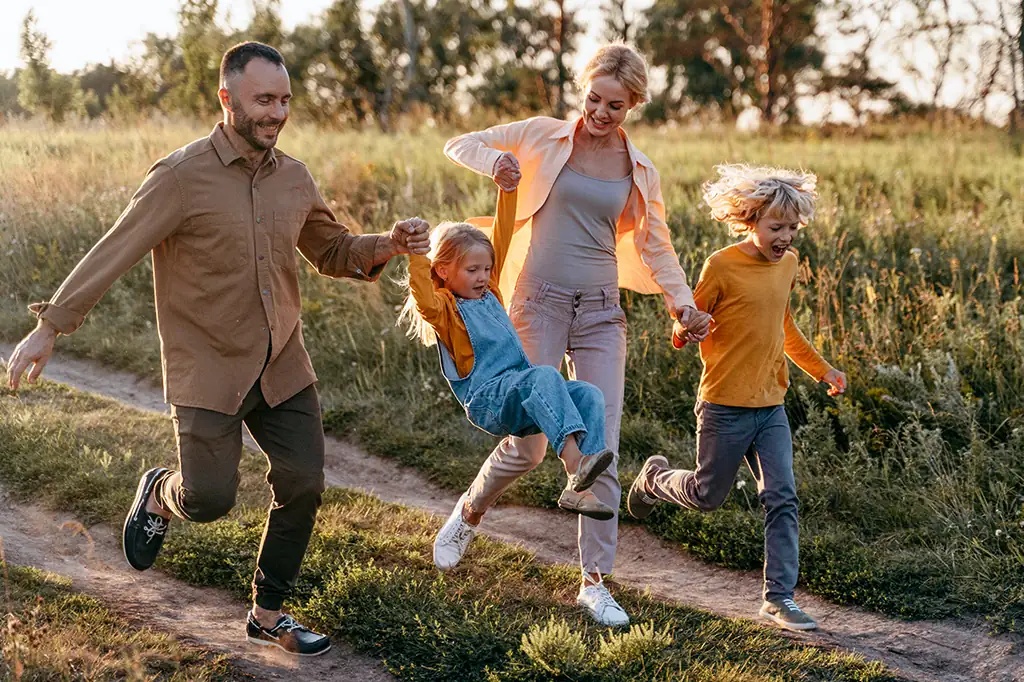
[
  {"x": 601, "y": 605},
  {"x": 453, "y": 539}
]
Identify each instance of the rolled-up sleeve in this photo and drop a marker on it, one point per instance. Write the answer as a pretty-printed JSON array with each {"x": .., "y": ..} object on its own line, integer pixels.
[
  {"x": 153, "y": 214},
  {"x": 334, "y": 251},
  {"x": 478, "y": 151}
]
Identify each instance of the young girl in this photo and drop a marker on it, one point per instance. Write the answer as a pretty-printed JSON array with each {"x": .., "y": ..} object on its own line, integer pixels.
[
  {"x": 454, "y": 301},
  {"x": 740, "y": 414}
]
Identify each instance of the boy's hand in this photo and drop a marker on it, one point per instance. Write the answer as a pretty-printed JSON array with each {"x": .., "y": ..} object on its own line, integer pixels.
[
  {"x": 836, "y": 381},
  {"x": 695, "y": 324},
  {"x": 679, "y": 335}
]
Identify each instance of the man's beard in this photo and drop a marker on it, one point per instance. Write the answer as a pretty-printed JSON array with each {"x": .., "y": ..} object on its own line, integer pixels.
[{"x": 246, "y": 127}]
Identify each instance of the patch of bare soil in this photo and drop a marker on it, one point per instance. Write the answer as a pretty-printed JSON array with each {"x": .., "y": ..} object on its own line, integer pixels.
[{"x": 203, "y": 617}]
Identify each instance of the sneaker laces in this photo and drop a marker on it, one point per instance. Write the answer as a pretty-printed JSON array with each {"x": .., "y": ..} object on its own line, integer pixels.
[
  {"x": 461, "y": 534},
  {"x": 605, "y": 600},
  {"x": 790, "y": 604},
  {"x": 155, "y": 525},
  {"x": 289, "y": 624}
]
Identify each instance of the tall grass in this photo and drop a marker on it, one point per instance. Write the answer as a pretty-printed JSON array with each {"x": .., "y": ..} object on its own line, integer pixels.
[{"x": 910, "y": 486}]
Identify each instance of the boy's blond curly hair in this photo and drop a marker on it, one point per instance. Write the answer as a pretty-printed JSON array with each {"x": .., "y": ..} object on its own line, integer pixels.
[{"x": 744, "y": 194}]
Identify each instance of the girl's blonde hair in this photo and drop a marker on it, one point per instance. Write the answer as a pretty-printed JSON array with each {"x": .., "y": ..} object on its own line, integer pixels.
[
  {"x": 743, "y": 194},
  {"x": 449, "y": 244},
  {"x": 624, "y": 63}
]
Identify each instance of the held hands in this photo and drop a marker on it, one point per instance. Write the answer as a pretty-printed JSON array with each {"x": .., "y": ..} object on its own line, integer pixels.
[
  {"x": 690, "y": 326},
  {"x": 836, "y": 381},
  {"x": 35, "y": 349},
  {"x": 506, "y": 173},
  {"x": 411, "y": 236}
]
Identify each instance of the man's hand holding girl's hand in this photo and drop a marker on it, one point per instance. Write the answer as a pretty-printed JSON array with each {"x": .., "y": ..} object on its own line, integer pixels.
[{"x": 411, "y": 236}]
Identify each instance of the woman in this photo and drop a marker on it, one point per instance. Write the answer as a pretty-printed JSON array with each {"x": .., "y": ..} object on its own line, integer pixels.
[{"x": 589, "y": 218}]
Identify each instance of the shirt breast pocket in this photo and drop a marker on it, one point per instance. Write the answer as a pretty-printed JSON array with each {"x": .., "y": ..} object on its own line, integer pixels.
[
  {"x": 287, "y": 225},
  {"x": 215, "y": 242}
]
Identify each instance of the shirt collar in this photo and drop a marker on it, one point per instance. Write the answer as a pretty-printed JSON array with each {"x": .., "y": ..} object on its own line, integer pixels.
[
  {"x": 568, "y": 129},
  {"x": 227, "y": 153}
]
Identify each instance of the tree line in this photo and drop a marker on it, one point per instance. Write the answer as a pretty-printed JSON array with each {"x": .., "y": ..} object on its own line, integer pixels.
[{"x": 440, "y": 58}]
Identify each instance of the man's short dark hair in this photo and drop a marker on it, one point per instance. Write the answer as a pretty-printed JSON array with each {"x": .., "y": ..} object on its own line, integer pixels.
[{"x": 236, "y": 58}]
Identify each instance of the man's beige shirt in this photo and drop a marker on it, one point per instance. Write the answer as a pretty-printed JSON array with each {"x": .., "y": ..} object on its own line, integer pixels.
[{"x": 225, "y": 276}]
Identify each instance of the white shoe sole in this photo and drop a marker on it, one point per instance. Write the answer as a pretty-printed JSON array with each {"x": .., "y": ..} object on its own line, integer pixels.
[
  {"x": 263, "y": 642},
  {"x": 796, "y": 627}
]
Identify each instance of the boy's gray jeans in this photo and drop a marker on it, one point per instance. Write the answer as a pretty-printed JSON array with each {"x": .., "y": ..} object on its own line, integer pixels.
[{"x": 725, "y": 437}]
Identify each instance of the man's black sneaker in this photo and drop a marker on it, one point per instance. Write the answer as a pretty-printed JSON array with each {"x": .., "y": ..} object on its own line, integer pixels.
[
  {"x": 287, "y": 635},
  {"x": 144, "y": 532}
]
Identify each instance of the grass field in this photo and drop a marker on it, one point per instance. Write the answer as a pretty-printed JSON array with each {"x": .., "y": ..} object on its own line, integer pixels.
[
  {"x": 369, "y": 575},
  {"x": 910, "y": 487}
]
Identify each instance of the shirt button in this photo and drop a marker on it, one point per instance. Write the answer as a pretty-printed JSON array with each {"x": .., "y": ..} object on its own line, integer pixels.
[
  {"x": 259, "y": 219},
  {"x": 263, "y": 329},
  {"x": 358, "y": 271},
  {"x": 261, "y": 257},
  {"x": 266, "y": 292}
]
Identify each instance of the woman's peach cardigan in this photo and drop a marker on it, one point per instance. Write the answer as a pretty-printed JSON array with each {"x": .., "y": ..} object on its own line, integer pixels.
[{"x": 646, "y": 259}]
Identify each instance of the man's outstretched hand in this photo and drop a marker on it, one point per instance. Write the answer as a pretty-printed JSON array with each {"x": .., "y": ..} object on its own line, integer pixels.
[{"x": 35, "y": 351}]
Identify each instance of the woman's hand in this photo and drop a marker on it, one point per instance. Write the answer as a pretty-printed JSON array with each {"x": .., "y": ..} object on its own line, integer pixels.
[
  {"x": 506, "y": 173},
  {"x": 836, "y": 381}
]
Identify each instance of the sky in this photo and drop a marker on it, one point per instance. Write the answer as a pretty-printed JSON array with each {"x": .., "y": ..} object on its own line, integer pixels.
[
  {"x": 87, "y": 32},
  {"x": 83, "y": 32}
]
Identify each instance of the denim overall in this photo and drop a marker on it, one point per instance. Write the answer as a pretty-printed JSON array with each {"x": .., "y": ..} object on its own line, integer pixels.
[{"x": 505, "y": 395}]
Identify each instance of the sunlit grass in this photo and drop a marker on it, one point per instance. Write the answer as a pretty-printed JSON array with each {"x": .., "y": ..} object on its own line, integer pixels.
[{"x": 910, "y": 486}]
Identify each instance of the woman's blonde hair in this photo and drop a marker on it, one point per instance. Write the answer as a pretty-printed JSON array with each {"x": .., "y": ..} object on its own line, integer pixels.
[
  {"x": 449, "y": 244},
  {"x": 624, "y": 63},
  {"x": 743, "y": 194}
]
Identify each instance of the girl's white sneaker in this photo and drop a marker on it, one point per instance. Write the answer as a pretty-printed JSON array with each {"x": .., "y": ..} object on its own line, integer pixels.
[
  {"x": 601, "y": 605},
  {"x": 453, "y": 539}
]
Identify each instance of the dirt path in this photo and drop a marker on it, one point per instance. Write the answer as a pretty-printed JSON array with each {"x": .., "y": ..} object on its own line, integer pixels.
[
  {"x": 204, "y": 617},
  {"x": 947, "y": 651}
]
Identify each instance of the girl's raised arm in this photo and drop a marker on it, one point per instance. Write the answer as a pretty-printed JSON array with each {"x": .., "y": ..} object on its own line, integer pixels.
[
  {"x": 428, "y": 301},
  {"x": 501, "y": 237}
]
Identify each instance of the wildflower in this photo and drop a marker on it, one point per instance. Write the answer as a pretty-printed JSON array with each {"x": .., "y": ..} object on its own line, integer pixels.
[
  {"x": 741, "y": 484},
  {"x": 999, "y": 532},
  {"x": 915, "y": 252}
]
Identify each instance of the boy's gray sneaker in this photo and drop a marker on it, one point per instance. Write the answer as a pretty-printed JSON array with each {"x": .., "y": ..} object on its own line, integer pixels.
[
  {"x": 785, "y": 613},
  {"x": 638, "y": 502},
  {"x": 591, "y": 466}
]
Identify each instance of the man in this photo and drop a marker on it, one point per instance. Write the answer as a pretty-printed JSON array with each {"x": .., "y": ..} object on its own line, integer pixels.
[{"x": 223, "y": 217}]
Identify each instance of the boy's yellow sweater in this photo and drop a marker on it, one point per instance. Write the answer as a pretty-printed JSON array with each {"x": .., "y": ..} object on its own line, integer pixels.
[
  {"x": 745, "y": 354},
  {"x": 437, "y": 304}
]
